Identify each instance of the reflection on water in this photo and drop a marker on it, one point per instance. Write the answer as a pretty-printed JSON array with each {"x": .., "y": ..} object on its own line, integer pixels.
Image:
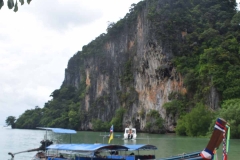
[
  {"x": 15, "y": 140},
  {"x": 130, "y": 141}
]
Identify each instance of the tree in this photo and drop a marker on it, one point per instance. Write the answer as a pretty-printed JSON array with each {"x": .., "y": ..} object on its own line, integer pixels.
[
  {"x": 11, "y": 4},
  {"x": 99, "y": 125},
  {"x": 29, "y": 119},
  {"x": 10, "y": 121},
  {"x": 230, "y": 112},
  {"x": 154, "y": 122},
  {"x": 118, "y": 119},
  {"x": 196, "y": 123}
]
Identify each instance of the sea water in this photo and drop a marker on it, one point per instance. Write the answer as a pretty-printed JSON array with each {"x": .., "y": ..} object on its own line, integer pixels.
[{"x": 17, "y": 140}]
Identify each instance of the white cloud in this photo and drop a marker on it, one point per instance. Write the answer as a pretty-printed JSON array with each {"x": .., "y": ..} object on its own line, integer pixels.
[
  {"x": 60, "y": 14},
  {"x": 37, "y": 42}
]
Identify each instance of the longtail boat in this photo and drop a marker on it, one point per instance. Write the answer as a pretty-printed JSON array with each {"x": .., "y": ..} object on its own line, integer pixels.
[
  {"x": 45, "y": 143},
  {"x": 219, "y": 135}
]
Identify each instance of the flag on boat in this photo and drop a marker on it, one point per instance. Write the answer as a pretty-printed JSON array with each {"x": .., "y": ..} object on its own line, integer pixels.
[
  {"x": 111, "y": 129},
  {"x": 111, "y": 134}
]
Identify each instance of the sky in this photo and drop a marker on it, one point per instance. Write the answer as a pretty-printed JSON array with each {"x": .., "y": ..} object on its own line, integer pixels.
[{"x": 37, "y": 41}]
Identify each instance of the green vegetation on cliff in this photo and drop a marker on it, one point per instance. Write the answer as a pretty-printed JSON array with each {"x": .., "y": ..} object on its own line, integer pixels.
[{"x": 207, "y": 55}]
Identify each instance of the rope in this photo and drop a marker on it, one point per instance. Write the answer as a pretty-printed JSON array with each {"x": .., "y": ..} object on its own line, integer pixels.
[
  {"x": 228, "y": 137},
  {"x": 215, "y": 155},
  {"x": 224, "y": 146},
  {"x": 182, "y": 155}
]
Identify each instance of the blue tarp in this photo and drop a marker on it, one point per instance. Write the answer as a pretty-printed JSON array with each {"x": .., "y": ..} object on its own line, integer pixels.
[
  {"x": 86, "y": 147},
  {"x": 59, "y": 130},
  {"x": 134, "y": 147}
]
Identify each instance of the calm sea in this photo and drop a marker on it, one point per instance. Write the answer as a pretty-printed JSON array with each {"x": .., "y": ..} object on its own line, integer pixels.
[{"x": 15, "y": 140}]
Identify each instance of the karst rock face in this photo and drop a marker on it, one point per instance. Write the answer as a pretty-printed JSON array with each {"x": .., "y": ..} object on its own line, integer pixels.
[{"x": 131, "y": 69}]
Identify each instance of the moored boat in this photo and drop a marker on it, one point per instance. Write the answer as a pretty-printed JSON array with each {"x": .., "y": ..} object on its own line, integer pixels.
[
  {"x": 130, "y": 133},
  {"x": 220, "y": 134},
  {"x": 40, "y": 155}
]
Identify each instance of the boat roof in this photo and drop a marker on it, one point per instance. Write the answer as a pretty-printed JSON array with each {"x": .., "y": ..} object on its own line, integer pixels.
[
  {"x": 134, "y": 147},
  {"x": 59, "y": 130},
  {"x": 86, "y": 147},
  {"x": 131, "y": 128},
  {"x": 97, "y": 147}
]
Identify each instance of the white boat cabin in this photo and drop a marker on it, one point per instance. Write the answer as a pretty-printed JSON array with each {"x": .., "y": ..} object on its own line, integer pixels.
[{"x": 130, "y": 133}]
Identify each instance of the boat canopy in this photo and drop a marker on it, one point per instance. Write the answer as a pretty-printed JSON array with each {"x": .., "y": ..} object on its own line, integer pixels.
[
  {"x": 59, "y": 130},
  {"x": 140, "y": 147},
  {"x": 86, "y": 147}
]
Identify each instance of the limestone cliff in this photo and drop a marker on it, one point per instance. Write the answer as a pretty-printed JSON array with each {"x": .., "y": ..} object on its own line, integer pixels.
[{"x": 129, "y": 68}]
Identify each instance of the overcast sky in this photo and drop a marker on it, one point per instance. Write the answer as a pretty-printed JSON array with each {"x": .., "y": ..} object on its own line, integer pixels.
[{"x": 37, "y": 42}]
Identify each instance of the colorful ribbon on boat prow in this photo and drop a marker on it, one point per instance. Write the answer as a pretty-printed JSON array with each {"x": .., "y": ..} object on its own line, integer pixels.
[
  {"x": 216, "y": 139},
  {"x": 219, "y": 125}
]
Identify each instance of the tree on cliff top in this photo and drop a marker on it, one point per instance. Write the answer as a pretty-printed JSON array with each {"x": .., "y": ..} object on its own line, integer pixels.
[{"x": 10, "y": 121}]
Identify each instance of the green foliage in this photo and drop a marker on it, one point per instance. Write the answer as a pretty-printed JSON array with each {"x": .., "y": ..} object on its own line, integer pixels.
[
  {"x": 65, "y": 93},
  {"x": 1, "y": 3},
  {"x": 61, "y": 111},
  {"x": 236, "y": 21},
  {"x": 181, "y": 126},
  {"x": 230, "y": 111},
  {"x": 10, "y": 121},
  {"x": 115, "y": 29},
  {"x": 99, "y": 125},
  {"x": 207, "y": 56},
  {"x": 128, "y": 98},
  {"x": 118, "y": 119},
  {"x": 196, "y": 123},
  {"x": 142, "y": 113},
  {"x": 154, "y": 122},
  {"x": 73, "y": 115},
  {"x": 172, "y": 107},
  {"x": 175, "y": 107},
  {"x": 127, "y": 77},
  {"x": 177, "y": 104},
  {"x": 29, "y": 119},
  {"x": 148, "y": 126},
  {"x": 11, "y": 4},
  {"x": 95, "y": 47}
]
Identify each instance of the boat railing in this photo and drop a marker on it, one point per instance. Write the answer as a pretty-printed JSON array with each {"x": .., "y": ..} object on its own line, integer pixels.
[
  {"x": 55, "y": 158},
  {"x": 96, "y": 158},
  {"x": 115, "y": 157},
  {"x": 145, "y": 157}
]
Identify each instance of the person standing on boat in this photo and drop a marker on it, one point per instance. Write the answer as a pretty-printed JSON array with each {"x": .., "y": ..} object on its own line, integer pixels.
[{"x": 130, "y": 135}]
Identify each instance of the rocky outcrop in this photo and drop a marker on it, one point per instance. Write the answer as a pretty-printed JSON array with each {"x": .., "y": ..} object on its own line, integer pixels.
[{"x": 131, "y": 69}]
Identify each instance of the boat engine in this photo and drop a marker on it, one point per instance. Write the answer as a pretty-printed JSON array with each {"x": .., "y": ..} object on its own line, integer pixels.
[{"x": 45, "y": 144}]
